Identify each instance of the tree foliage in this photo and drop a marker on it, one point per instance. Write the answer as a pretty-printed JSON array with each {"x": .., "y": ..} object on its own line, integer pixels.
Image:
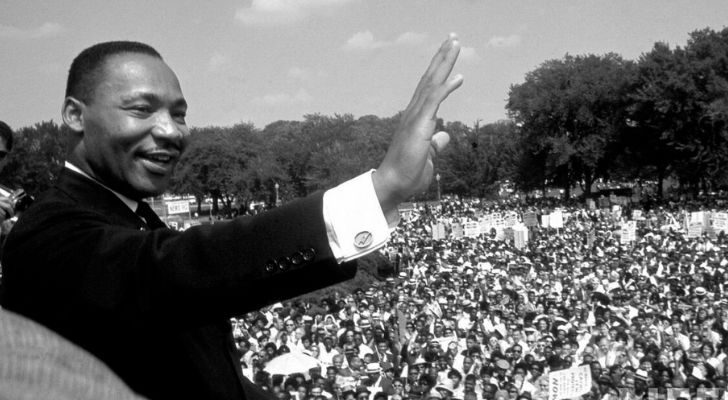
[
  {"x": 36, "y": 159},
  {"x": 569, "y": 112}
]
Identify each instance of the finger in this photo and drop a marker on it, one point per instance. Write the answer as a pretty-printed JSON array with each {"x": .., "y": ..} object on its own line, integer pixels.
[
  {"x": 437, "y": 59},
  {"x": 432, "y": 104},
  {"x": 432, "y": 82},
  {"x": 446, "y": 64},
  {"x": 434, "y": 64}
]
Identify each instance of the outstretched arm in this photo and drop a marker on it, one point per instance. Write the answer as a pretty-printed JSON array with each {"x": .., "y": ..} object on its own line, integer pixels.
[{"x": 407, "y": 167}]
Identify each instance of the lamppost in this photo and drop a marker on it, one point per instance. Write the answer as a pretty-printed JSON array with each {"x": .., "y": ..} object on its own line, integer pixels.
[
  {"x": 278, "y": 200},
  {"x": 437, "y": 178}
]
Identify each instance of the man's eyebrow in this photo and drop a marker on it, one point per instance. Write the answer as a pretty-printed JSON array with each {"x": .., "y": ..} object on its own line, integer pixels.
[{"x": 152, "y": 98}]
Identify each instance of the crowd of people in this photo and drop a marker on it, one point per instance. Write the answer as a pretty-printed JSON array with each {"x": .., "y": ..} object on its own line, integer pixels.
[{"x": 477, "y": 318}]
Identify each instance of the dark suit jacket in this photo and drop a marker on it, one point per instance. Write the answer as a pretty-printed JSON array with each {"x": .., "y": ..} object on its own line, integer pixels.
[{"x": 154, "y": 305}]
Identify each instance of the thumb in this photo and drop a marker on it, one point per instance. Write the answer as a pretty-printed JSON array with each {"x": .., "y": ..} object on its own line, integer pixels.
[{"x": 440, "y": 141}]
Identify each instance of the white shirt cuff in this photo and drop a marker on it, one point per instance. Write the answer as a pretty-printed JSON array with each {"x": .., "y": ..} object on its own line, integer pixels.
[{"x": 355, "y": 223}]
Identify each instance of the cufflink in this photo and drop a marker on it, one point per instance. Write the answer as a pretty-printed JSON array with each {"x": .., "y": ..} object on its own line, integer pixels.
[
  {"x": 363, "y": 239},
  {"x": 308, "y": 254}
]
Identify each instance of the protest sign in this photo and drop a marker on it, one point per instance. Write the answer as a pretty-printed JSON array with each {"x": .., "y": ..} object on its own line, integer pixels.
[
  {"x": 696, "y": 217},
  {"x": 510, "y": 219},
  {"x": 628, "y": 232},
  {"x": 695, "y": 229},
  {"x": 438, "y": 231},
  {"x": 178, "y": 207},
  {"x": 556, "y": 220},
  {"x": 636, "y": 215},
  {"x": 569, "y": 383},
  {"x": 471, "y": 229},
  {"x": 457, "y": 230},
  {"x": 720, "y": 222},
  {"x": 545, "y": 220},
  {"x": 520, "y": 236}
]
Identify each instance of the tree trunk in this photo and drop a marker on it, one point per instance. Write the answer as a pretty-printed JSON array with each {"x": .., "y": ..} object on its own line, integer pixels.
[
  {"x": 588, "y": 182},
  {"x": 660, "y": 181}
]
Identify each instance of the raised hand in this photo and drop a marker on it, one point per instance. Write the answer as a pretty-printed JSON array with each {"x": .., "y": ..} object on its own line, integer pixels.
[{"x": 407, "y": 167}]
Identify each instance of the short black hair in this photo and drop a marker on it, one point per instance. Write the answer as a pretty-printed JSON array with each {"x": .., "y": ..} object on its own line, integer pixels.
[
  {"x": 85, "y": 71},
  {"x": 6, "y": 134}
]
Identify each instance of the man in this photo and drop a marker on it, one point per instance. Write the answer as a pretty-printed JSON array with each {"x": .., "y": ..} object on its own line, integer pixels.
[{"x": 91, "y": 261}]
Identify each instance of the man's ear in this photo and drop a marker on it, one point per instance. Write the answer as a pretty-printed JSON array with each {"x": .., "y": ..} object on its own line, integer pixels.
[{"x": 72, "y": 113}]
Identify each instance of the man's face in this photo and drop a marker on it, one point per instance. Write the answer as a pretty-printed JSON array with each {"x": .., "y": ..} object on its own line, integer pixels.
[
  {"x": 382, "y": 347},
  {"x": 134, "y": 129},
  {"x": 467, "y": 363}
]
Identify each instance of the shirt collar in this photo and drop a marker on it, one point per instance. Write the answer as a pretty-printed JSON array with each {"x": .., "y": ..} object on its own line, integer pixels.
[{"x": 132, "y": 204}]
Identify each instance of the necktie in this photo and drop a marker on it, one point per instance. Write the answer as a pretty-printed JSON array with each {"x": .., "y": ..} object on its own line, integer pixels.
[{"x": 147, "y": 214}]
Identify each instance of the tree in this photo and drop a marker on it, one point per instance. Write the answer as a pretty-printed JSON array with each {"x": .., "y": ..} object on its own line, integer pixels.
[
  {"x": 478, "y": 159},
  {"x": 677, "y": 110},
  {"x": 569, "y": 112},
  {"x": 36, "y": 159},
  {"x": 232, "y": 165}
]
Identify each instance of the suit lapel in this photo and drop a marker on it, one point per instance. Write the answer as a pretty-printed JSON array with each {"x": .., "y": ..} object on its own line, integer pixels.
[{"x": 92, "y": 196}]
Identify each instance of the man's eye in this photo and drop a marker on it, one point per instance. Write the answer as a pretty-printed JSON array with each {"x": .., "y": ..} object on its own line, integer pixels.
[{"x": 142, "y": 108}]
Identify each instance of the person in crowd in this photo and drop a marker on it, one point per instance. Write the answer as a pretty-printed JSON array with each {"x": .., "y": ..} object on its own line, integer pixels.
[
  {"x": 7, "y": 210},
  {"x": 509, "y": 350},
  {"x": 8, "y": 201}
]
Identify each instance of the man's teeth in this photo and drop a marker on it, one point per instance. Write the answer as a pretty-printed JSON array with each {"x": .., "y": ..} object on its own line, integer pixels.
[{"x": 159, "y": 158}]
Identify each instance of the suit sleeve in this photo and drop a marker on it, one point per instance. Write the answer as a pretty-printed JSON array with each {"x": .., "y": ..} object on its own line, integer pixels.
[{"x": 205, "y": 272}]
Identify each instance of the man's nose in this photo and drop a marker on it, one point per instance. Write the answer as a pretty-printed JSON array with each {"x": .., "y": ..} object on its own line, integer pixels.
[{"x": 165, "y": 127}]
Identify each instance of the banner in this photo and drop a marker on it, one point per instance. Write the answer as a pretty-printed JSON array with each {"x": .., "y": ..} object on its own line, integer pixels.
[{"x": 569, "y": 383}]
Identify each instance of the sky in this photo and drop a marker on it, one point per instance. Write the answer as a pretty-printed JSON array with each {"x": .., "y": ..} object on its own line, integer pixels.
[{"x": 261, "y": 61}]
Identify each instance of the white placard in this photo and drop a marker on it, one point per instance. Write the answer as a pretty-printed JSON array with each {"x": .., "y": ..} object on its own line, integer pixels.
[
  {"x": 569, "y": 383},
  {"x": 178, "y": 207},
  {"x": 720, "y": 222},
  {"x": 471, "y": 229},
  {"x": 557, "y": 219}
]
